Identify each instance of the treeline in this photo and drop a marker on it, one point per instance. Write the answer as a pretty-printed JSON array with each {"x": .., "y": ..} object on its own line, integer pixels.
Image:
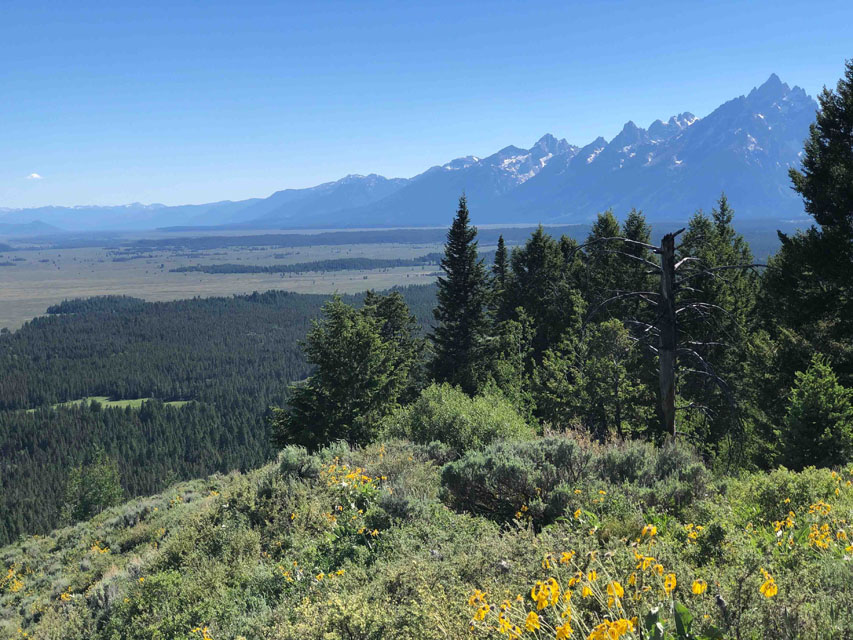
[
  {"x": 511, "y": 235},
  {"x": 233, "y": 357},
  {"x": 337, "y": 264},
  {"x": 98, "y": 303}
]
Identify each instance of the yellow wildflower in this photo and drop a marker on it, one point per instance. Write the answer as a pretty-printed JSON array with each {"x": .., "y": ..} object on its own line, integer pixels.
[
  {"x": 699, "y": 587},
  {"x": 769, "y": 588},
  {"x": 532, "y": 622},
  {"x": 615, "y": 589},
  {"x": 564, "y": 631}
]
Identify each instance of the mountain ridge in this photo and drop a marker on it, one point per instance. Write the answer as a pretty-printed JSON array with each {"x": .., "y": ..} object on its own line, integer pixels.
[{"x": 743, "y": 147}]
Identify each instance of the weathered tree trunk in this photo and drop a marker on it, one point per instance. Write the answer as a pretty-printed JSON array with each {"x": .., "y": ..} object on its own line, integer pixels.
[{"x": 668, "y": 337}]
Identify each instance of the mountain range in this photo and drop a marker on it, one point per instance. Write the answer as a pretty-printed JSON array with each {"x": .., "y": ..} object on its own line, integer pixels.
[{"x": 744, "y": 147}]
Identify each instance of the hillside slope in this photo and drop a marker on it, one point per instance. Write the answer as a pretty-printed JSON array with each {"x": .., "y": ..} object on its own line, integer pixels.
[{"x": 380, "y": 543}]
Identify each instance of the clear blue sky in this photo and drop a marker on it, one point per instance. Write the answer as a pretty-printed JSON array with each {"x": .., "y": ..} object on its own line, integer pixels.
[{"x": 178, "y": 102}]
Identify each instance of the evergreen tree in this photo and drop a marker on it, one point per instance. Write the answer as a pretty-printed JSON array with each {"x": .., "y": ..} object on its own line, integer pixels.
[
  {"x": 633, "y": 274},
  {"x": 508, "y": 358},
  {"x": 458, "y": 337},
  {"x": 602, "y": 264},
  {"x": 362, "y": 369},
  {"x": 586, "y": 382},
  {"x": 399, "y": 328},
  {"x": 716, "y": 327},
  {"x": 807, "y": 293},
  {"x": 818, "y": 427},
  {"x": 500, "y": 268},
  {"x": 538, "y": 285},
  {"x": 826, "y": 178},
  {"x": 500, "y": 306}
]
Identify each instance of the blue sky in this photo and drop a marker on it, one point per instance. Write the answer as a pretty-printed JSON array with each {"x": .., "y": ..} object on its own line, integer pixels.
[{"x": 179, "y": 102}]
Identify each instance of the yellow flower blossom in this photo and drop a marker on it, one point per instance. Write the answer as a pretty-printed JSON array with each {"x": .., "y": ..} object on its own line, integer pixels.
[
  {"x": 532, "y": 621},
  {"x": 615, "y": 589},
  {"x": 699, "y": 587},
  {"x": 564, "y": 631},
  {"x": 769, "y": 588}
]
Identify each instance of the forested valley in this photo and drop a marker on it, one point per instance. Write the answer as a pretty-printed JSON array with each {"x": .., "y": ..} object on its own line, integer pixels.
[{"x": 229, "y": 359}]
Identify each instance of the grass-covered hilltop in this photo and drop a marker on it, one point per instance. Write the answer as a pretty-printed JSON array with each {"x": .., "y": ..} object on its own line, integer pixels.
[
  {"x": 542, "y": 538},
  {"x": 614, "y": 439}
]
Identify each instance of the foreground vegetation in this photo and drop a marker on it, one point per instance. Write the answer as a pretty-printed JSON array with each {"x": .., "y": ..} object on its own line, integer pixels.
[{"x": 399, "y": 540}]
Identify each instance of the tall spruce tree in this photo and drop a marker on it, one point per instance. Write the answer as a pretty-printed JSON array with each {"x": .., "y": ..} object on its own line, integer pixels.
[
  {"x": 500, "y": 306},
  {"x": 807, "y": 294},
  {"x": 826, "y": 178},
  {"x": 716, "y": 329},
  {"x": 462, "y": 322},
  {"x": 500, "y": 268},
  {"x": 538, "y": 286}
]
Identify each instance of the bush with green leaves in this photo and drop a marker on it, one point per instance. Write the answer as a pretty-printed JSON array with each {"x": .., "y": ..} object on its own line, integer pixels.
[
  {"x": 446, "y": 414},
  {"x": 539, "y": 480},
  {"x": 514, "y": 479},
  {"x": 283, "y": 552},
  {"x": 670, "y": 477}
]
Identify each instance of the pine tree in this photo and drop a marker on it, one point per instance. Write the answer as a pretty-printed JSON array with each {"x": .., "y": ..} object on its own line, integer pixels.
[
  {"x": 459, "y": 334},
  {"x": 363, "y": 367},
  {"x": 92, "y": 487},
  {"x": 538, "y": 285},
  {"x": 818, "y": 427},
  {"x": 633, "y": 275},
  {"x": 826, "y": 178},
  {"x": 602, "y": 271},
  {"x": 717, "y": 325},
  {"x": 807, "y": 293},
  {"x": 500, "y": 268},
  {"x": 500, "y": 306},
  {"x": 586, "y": 382}
]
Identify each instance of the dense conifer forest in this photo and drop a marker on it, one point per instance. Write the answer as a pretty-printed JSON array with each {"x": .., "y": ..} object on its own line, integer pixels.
[{"x": 231, "y": 358}]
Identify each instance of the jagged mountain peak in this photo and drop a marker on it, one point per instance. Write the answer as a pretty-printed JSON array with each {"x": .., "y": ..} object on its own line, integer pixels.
[
  {"x": 630, "y": 135},
  {"x": 659, "y": 130},
  {"x": 774, "y": 92}
]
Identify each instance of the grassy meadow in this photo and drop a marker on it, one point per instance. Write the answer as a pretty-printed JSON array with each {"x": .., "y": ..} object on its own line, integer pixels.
[{"x": 48, "y": 276}]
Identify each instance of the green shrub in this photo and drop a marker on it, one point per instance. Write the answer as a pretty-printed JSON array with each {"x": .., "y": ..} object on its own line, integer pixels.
[
  {"x": 446, "y": 414},
  {"x": 540, "y": 479},
  {"x": 295, "y": 462},
  {"x": 671, "y": 476},
  {"x": 770, "y": 496},
  {"x": 530, "y": 480}
]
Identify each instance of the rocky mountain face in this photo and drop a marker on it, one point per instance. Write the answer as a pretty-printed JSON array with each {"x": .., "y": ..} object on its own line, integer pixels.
[{"x": 744, "y": 147}]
